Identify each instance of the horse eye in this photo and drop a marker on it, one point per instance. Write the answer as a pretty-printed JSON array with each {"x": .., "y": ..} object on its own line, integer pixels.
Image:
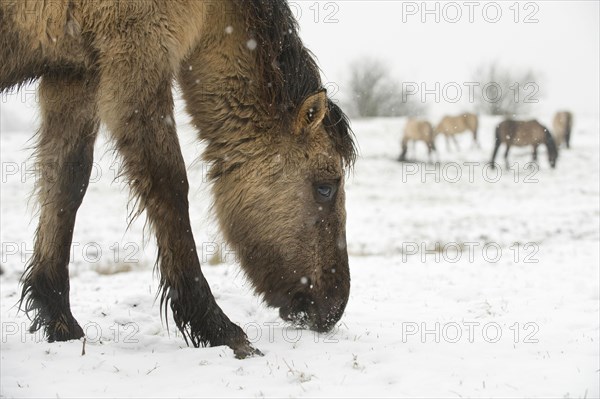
[{"x": 324, "y": 192}]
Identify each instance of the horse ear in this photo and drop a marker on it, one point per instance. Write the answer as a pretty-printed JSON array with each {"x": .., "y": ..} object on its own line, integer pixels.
[{"x": 311, "y": 112}]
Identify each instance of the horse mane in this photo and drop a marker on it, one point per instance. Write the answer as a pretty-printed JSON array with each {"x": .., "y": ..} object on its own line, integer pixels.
[{"x": 289, "y": 69}]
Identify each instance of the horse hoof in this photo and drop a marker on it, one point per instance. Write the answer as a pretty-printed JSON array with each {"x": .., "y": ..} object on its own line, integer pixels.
[
  {"x": 246, "y": 350},
  {"x": 64, "y": 331}
]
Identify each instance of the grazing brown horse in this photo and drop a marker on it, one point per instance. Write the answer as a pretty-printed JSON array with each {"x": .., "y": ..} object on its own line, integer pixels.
[
  {"x": 254, "y": 93},
  {"x": 563, "y": 124},
  {"x": 417, "y": 130},
  {"x": 523, "y": 133},
  {"x": 450, "y": 126}
]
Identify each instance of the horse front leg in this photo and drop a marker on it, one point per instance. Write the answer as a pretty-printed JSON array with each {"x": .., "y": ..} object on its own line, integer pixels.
[
  {"x": 506, "y": 156},
  {"x": 141, "y": 122},
  {"x": 433, "y": 149},
  {"x": 64, "y": 158},
  {"x": 475, "y": 141},
  {"x": 496, "y": 147},
  {"x": 430, "y": 149},
  {"x": 535, "y": 148},
  {"x": 402, "y": 157},
  {"x": 455, "y": 142},
  {"x": 447, "y": 142}
]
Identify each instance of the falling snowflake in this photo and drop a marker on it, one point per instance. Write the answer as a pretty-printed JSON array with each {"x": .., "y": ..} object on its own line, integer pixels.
[{"x": 251, "y": 44}]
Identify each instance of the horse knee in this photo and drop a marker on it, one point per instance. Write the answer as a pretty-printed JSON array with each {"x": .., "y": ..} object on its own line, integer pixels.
[
  {"x": 66, "y": 141},
  {"x": 141, "y": 122}
]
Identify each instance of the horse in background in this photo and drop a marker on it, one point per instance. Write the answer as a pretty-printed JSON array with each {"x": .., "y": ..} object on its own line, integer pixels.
[
  {"x": 418, "y": 130},
  {"x": 254, "y": 93},
  {"x": 450, "y": 126},
  {"x": 524, "y": 133},
  {"x": 563, "y": 125}
]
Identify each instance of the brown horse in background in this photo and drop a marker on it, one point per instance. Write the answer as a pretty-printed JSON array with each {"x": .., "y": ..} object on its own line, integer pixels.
[
  {"x": 524, "y": 133},
  {"x": 563, "y": 125},
  {"x": 418, "y": 130},
  {"x": 450, "y": 126},
  {"x": 255, "y": 94}
]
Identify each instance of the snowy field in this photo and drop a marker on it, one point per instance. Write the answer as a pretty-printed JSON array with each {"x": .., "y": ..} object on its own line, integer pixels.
[{"x": 464, "y": 283}]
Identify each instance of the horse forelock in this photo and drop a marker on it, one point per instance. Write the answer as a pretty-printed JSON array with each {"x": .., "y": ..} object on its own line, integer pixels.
[{"x": 337, "y": 125}]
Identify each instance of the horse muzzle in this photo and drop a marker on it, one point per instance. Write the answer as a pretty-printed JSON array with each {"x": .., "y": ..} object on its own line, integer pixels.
[{"x": 305, "y": 311}]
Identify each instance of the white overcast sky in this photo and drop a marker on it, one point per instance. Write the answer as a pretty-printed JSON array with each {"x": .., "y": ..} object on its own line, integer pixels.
[{"x": 562, "y": 46}]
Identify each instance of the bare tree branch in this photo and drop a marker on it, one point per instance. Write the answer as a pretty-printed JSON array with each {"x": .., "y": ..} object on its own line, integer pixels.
[
  {"x": 505, "y": 92},
  {"x": 375, "y": 93}
]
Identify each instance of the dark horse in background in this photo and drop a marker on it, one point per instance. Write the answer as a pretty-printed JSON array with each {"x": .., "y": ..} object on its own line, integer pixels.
[
  {"x": 254, "y": 93},
  {"x": 525, "y": 133}
]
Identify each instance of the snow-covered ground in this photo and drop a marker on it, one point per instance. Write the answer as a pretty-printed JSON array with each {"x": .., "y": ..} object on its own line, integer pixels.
[{"x": 470, "y": 285}]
